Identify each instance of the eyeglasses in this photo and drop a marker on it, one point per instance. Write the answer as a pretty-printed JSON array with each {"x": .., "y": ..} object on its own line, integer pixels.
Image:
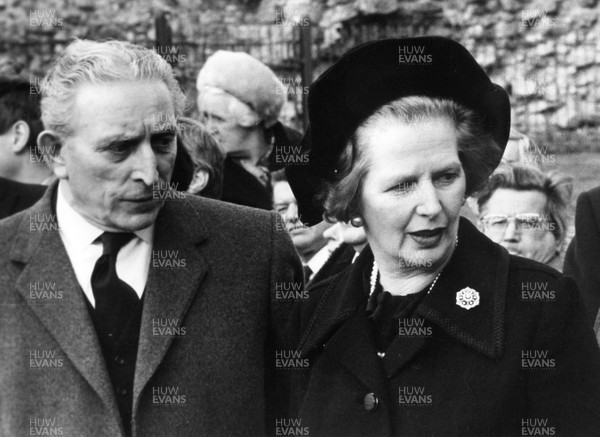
[{"x": 531, "y": 222}]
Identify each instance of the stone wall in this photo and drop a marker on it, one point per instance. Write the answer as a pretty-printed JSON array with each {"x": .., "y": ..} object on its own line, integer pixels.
[{"x": 548, "y": 50}]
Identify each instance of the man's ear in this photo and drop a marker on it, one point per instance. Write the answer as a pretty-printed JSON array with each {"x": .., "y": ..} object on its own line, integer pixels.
[
  {"x": 20, "y": 136},
  {"x": 50, "y": 146},
  {"x": 199, "y": 182}
]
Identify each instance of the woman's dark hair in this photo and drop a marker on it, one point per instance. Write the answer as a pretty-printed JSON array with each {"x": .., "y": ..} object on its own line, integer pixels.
[
  {"x": 557, "y": 187},
  {"x": 477, "y": 150}
]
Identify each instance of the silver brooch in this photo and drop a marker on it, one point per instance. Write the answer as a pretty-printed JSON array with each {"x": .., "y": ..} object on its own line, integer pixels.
[{"x": 467, "y": 298}]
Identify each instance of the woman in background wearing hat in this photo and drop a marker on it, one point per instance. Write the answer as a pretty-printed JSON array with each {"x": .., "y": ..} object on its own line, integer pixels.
[
  {"x": 434, "y": 330},
  {"x": 240, "y": 100}
]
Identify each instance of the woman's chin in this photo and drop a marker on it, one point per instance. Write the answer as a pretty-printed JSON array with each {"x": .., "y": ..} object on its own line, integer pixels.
[{"x": 418, "y": 257}]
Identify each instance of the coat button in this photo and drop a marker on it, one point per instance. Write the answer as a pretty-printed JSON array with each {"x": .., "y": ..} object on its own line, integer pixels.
[
  {"x": 119, "y": 360},
  {"x": 122, "y": 391},
  {"x": 370, "y": 402}
]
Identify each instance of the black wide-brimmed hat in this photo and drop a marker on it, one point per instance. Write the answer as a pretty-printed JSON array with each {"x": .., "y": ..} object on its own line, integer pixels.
[{"x": 374, "y": 74}]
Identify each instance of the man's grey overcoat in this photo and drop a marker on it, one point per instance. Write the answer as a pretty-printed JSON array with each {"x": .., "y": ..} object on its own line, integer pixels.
[{"x": 212, "y": 378}]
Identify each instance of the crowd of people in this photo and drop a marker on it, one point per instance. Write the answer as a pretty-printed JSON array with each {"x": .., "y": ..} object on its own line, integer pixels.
[{"x": 415, "y": 205}]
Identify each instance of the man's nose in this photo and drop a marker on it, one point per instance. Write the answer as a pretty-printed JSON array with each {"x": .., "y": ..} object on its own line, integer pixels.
[
  {"x": 511, "y": 233},
  {"x": 292, "y": 212},
  {"x": 330, "y": 233},
  {"x": 146, "y": 165}
]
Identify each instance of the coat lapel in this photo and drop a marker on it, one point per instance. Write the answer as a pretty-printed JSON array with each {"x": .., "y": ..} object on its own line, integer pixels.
[
  {"x": 482, "y": 327},
  {"x": 353, "y": 347},
  {"x": 45, "y": 260},
  {"x": 340, "y": 325},
  {"x": 342, "y": 299},
  {"x": 400, "y": 352},
  {"x": 169, "y": 291}
]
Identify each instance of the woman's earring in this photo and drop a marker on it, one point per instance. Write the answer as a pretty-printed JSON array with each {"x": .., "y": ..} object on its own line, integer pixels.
[{"x": 357, "y": 222}]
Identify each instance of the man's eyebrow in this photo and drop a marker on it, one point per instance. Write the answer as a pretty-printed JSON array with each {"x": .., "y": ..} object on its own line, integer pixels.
[
  {"x": 118, "y": 138},
  {"x": 165, "y": 129}
]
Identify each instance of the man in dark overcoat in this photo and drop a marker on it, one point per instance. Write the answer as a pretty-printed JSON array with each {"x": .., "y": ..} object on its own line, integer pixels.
[
  {"x": 128, "y": 308},
  {"x": 583, "y": 254}
]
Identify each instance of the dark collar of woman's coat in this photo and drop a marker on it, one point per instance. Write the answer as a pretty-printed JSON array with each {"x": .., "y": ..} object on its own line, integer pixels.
[{"x": 476, "y": 263}]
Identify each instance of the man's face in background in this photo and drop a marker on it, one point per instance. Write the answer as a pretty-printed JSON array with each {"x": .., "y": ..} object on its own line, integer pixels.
[
  {"x": 305, "y": 239},
  {"x": 8, "y": 162}
]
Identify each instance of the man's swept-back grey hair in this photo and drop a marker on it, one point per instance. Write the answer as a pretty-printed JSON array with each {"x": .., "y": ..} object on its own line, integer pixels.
[{"x": 91, "y": 62}]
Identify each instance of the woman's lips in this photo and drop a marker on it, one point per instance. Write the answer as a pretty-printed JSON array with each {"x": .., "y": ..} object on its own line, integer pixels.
[{"x": 427, "y": 237}]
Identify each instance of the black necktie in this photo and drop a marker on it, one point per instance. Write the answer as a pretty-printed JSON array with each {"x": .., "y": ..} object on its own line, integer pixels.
[
  {"x": 307, "y": 273},
  {"x": 115, "y": 299}
]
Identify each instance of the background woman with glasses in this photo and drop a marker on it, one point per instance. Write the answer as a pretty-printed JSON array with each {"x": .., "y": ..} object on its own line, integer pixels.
[{"x": 526, "y": 211}]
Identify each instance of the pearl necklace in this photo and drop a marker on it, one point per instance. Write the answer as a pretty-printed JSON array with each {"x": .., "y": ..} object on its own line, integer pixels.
[{"x": 375, "y": 275}]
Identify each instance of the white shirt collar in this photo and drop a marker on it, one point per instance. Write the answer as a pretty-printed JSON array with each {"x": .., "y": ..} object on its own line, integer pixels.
[{"x": 319, "y": 259}]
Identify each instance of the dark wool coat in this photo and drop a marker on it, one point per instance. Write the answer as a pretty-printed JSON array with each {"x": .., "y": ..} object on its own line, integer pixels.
[
  {"x": 242, "y": 188},
  {"x": 223, "y": 297},
  {"x": 521, "y": 362},
  {"x": 582, "y": 260},
  {"x": 15, "y": 196}
]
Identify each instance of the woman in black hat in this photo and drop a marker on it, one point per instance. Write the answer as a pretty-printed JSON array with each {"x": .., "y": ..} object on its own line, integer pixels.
[{"x": 434, "y": 330}]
